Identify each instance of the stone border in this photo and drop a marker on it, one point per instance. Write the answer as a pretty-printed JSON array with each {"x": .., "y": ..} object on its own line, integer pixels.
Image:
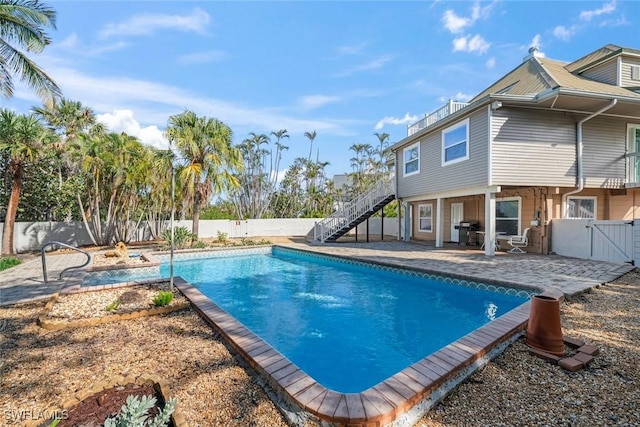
[
  {"x": 161, "y": 386},
  {"x": 56, "y": 325},
  {"x": 149, "y": 261}
]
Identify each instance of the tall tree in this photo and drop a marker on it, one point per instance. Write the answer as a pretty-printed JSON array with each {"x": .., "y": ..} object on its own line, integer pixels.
[
  {"x": 23, "y": 25},
  {"x": 68, "y": 120},
  {"x": 382, "y": 150},
  {"x": 310, "y": 136},
  {"x": 22, "y": 137},
  {"x": 204, "y": 145}
]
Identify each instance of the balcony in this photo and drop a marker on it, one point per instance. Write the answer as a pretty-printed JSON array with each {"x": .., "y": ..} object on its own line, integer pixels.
[{"x": 439, "y": 114}]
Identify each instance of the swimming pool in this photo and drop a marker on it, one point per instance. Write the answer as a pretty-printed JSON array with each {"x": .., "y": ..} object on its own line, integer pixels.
[
  {"x": 347, "y": 325},
  {"x": 413, "y": 386}
]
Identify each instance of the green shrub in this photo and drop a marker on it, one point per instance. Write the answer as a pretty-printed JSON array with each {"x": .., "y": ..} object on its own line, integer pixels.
[
  {"x": 134, "y": 413},
  {"x": 182, "y": 237},
  {"x": 113, "y": 306},
  {"x": 199, "y": 245},
  {"x": 163, "y": 298},
  {"x": 9, "y": 262},
  {"x": 222, "y": 237}
]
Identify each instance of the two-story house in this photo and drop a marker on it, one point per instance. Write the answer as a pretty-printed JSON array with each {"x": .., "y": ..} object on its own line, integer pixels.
[{"x": 548, "y": 140}]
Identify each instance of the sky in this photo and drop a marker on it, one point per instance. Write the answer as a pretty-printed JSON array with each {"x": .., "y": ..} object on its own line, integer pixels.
[{"x": 346, "y": 69}]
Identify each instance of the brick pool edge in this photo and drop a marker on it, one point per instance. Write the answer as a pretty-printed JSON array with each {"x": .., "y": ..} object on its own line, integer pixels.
[{"x": 400, "y": 400}]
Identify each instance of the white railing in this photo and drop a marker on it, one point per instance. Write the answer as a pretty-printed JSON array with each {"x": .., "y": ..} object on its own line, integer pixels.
[
  {"x": 352, "y": 210},
  {"x": 431, "y": 118}
]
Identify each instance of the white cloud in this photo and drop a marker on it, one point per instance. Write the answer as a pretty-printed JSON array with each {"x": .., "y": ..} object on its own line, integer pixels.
[
  {"x": 536, "y": 41},
  {"x": 153, "y": 103},
  {"x": 351, "y": 50},
  {"x": 315, "y": 101},
  {"x": 390, "y": 120},
  {"x": 371, "y": 65},
  {"x": 202, "y": 57},
  {"x": 69, "y": 42},
  {"x": 147, "y": 24},
  {"x": 491, "y": 62},
  {"x": 615, "y": 22},
  {"x": 563, "y": 33},
  {"x": 458, "y": 97},
  {"x": 123, "y": 121},
  {"x": 471, "y": 44},
  {"x": 587, "y": 15},
  {"x": 456, "y": 24}
]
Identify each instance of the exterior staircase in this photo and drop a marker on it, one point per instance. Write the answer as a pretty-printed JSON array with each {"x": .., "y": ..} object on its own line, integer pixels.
[{"x": 354, "y": 212}]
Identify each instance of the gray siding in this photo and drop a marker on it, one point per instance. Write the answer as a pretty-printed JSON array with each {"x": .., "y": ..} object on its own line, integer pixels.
[
  {"x": 604, "y": 146},
  {"x": 434, "y": 177},
  {"x": 605, "y": 73},
  {"x": 626, "y": 72},
  {"x": 533, "y": 148},
  {"x": 538, "y": 148}
]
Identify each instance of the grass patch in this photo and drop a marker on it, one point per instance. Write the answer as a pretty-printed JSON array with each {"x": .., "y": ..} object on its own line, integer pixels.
[{"x": 9, "y": 262}]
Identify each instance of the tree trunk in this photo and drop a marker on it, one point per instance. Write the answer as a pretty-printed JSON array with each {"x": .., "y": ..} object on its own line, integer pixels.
[
  {"x": 12, "y": 209},
  {"x": 196, "y": 219}
]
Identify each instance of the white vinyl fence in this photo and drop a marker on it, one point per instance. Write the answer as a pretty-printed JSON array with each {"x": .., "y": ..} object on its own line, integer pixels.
[{"x": 613, "y": 241}]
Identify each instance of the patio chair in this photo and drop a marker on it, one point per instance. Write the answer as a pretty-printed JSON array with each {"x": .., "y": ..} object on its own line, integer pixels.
[{"x": 518, "y": 242}]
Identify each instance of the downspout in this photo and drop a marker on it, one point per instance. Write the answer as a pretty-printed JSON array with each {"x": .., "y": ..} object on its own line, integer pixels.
[{"x": 580, "y": 172}]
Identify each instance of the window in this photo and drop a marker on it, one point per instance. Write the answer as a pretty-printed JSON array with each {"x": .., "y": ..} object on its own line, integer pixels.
[
  {"x": 411, "y": 156},
  {"x": 455, "y": 143},
  {"x": 508, "y": 215},
  {"x": 633, "y": 154},
  {"x": 581, "y": 207},
  {"x": 425, "y": 218}
]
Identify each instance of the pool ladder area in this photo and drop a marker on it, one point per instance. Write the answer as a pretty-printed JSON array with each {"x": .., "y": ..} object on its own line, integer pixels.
[{"x": 44, "y": 259}]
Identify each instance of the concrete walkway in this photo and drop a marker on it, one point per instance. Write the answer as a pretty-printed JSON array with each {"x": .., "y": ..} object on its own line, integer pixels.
[{"x": 568, "y": 275}]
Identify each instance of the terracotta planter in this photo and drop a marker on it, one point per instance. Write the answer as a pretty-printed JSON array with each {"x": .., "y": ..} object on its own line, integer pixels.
[{"x": 544, "y": 330}]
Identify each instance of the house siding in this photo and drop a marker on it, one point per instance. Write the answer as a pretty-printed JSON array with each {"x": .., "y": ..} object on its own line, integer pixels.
[
  {"x": 604, "y": 146},
  {"x": 605, "y": 73},
  {"x": 531, "y": 147},
  {"x": 627, "y": 81},
  {"x": 434, "y": 177}
]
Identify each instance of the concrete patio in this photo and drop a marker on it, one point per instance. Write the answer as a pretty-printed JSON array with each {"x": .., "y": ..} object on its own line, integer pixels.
[{"x": 25, "y": 282}]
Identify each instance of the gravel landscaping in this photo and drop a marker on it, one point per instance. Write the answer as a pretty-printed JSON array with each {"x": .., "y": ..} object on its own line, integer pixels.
[{"x": 40, "y": 368}]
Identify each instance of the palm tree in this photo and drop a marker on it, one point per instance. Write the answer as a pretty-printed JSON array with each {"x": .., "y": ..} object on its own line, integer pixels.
[
  {"x": 68, "y": 119},
  {"x": 23, "y": 25},
  {"x": 204, "y": 144},
  {"x": 382, "y": 150},
  {"x": 311, "y": 136},
  {"x": 22, "y": 137}
]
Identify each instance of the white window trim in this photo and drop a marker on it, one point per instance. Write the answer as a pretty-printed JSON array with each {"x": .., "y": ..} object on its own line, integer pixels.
[
  {"x": 631, "y": 172},
  {"x": 465, "y": 122},
  {"x": 595, "y": 205},
  {"x": 506, "y": 199},
  {"x": 404, "y": 162},
  {"x": 425, "y": 230}
]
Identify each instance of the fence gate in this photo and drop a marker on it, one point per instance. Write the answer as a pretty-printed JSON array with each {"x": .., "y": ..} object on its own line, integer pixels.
[
  {"x": 612, "y": 241},
  {"x": 238, "y": 228}
]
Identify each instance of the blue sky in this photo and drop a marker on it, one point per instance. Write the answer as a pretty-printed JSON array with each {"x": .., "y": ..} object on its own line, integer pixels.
[{"x": 346, "y": 69}]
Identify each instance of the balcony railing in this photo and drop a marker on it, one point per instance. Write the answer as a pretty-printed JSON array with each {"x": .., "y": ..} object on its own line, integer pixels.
[{"x": 431, "y": 118}]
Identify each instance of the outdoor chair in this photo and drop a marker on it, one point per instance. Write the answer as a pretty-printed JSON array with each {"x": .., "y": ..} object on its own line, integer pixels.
[{"x": 518, "y": 242}]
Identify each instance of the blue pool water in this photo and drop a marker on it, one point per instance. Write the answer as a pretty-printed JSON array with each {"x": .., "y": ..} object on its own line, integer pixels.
[{"x": 347, "y": 326}]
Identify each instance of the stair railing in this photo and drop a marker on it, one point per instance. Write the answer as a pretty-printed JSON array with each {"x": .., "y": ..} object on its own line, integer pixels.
[
  {"x": 352, "y": 210},
  {"x": 44, "y": 259}
]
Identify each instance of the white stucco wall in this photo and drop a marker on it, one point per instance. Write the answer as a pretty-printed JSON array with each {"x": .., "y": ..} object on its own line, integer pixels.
[{"x": 30, "y": 236}]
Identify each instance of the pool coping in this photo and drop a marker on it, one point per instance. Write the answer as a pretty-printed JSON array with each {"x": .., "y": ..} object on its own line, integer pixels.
[{"x": 406, "y": 395}]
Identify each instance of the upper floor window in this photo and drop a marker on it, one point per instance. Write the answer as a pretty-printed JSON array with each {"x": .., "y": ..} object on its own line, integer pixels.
[
  {"x": 455, "y": 143},
  {"x": 411, "y": 156},
  {"x": 581, "y": 207}
]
